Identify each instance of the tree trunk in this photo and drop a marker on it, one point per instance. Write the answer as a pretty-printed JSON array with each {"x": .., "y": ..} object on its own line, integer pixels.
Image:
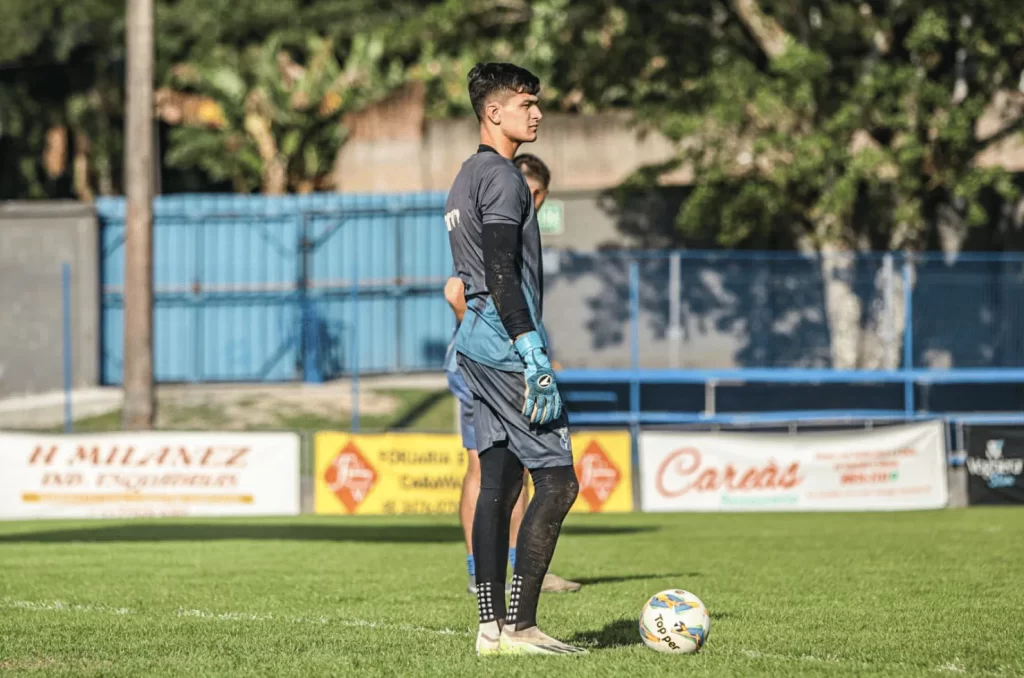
[
  {"x": 882, "y": 335},
  {"x": 80, "y": 164},
  {"x": 55, "y": 153},
  {"x": 842, "y": 305},
  {"x": 275, "y": 170}
]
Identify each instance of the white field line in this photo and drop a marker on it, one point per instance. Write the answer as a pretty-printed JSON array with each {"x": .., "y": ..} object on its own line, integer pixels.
[{"x": 60, "y": 606}]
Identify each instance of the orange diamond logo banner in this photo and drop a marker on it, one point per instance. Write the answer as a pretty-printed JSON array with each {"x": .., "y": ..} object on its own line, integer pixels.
[
  {"x": 597, "y": 475},
  {"x": 387, "y": 473},
  {"x": 350, "y": 477}
]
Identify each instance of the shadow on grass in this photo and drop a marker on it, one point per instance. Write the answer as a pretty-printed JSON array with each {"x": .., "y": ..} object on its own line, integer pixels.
[
  {"x": 157, "y": 532},
  {"x": 619, "y": 633},
  {"x": 591, "y": 581}
]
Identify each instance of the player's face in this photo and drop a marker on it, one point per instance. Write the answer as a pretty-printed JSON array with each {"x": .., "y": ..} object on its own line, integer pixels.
[
  {"x": 521, "y": 117},
  {"x": 538, "y": 192}
]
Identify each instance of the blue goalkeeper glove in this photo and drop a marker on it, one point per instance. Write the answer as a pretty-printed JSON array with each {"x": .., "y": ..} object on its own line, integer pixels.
[{"x": 543, "y": 404}]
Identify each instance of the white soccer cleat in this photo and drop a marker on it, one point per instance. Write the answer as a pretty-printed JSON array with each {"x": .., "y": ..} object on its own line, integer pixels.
[
  {"x": 488, "y": 639},
  {"x": 534, "y": 641}
]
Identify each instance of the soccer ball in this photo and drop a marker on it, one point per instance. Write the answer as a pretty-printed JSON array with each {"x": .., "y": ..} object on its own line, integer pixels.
[{"x": 675, "y": 621}]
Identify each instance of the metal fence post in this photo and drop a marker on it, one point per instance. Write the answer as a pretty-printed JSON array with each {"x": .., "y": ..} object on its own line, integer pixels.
[
  {"x": 310, "y": 339},
  {"x": 355, "y": 339},
  {"x": 634, "y": 379},
  {"x": 66, "y": 299},
  {"x": 401, "y": 294},
  {"x": 307, "y": 469},
  {"x": 675, "y": 331},
  {"x": 889, "y": 313},
  {"x": 908, "y": 335}
]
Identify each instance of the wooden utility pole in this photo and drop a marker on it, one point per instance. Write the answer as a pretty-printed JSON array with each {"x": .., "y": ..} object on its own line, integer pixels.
[{"x": 139, "y": 400}]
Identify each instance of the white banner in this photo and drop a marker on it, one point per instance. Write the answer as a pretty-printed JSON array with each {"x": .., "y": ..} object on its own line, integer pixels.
[
  {"x": 148, "y": 474},
  {"x": 890, "y": 468}
]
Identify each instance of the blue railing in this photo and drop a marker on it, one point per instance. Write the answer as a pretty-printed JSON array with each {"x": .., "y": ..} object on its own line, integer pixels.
[{"x": 712, "y": 379}]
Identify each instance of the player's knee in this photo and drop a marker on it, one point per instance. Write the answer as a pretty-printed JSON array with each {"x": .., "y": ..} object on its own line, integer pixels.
[
  {"x": 557, "y": 488},
  {"x": 570, "y": 490}
]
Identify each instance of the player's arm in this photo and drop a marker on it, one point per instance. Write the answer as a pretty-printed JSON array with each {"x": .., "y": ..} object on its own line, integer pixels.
[
  {"x": 455, "y": 295},
  {"x": 502, "y": 208},
  {"x": 501, "y": 213}
]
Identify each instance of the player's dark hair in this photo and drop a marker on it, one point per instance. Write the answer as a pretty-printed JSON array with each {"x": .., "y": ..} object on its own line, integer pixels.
[
  {"x": 487, "y": 79},
  {"x": 533, "y": 167}
]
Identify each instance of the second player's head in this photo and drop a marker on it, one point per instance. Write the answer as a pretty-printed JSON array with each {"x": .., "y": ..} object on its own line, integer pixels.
[
  {"x": 504, "y": 98},
  {"x": 537, "y": 174}
]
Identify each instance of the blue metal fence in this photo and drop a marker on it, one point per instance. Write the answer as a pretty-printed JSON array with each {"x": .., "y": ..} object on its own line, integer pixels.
[
  {"x": 319, "y": 286},
  {"x": 285, "y": 288}
]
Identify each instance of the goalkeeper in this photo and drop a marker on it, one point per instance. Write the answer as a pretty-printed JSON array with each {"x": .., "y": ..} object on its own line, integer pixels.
[
  {"x": 501, "y": 351},
  {"x": 538, "y": 179}
]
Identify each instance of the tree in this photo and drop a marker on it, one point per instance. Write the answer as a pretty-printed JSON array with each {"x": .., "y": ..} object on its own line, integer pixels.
[
  {"x": 264, "y": 119},
  {"x": 837, "y": 127},
  {"x": 60, "y": 97}
]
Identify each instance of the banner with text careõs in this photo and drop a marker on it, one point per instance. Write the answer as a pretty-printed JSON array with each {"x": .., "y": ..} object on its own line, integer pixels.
[
  {"x": 148, "y": 474},
  {"x": 890, "y": 468}
]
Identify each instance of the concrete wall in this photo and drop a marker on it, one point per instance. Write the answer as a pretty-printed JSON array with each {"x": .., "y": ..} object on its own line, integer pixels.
[
  {"x": 35, "y": 239},
  {"x": 392, "y": 152}
]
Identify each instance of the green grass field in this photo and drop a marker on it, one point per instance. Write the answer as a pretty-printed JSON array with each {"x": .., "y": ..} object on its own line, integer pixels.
[
  {"x": 417, "y": 410},
  {"x": 899, "y": 594}
]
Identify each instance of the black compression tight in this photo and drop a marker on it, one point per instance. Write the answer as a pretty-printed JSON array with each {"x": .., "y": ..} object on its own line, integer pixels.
[
  {"x": 501, "y": 480},
  {"x": 556, "y": 490}
]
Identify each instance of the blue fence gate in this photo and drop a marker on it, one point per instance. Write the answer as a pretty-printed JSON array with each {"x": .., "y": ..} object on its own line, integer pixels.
[{"x": 285, "y": 288}]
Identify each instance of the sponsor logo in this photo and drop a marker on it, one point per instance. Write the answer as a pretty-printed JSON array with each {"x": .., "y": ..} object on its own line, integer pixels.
[
  {"x": 659, "y": 623},
  {"x": 544, "y": 380},
  {"x": 350, "y": 477},
  {"x": 994, "y": 468},
  {"x": 598, "y": 476},
  {"x": 452, "y": 220},
  {"x": 140, "y": 456},
  {"x": 683, "y": 472},
  {"x": 564, "y": 441}
]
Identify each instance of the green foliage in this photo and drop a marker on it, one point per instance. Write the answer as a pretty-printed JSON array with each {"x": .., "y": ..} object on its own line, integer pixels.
[
  {"x": 59, "y": 60},
  {"x": 843, "y": 122},
  {"x": 856, "y": 133},
  {"x": 298, "y": 96}
]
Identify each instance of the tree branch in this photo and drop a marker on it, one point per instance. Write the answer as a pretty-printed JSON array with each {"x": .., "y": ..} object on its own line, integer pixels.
[{"x": 770, "y": 36}]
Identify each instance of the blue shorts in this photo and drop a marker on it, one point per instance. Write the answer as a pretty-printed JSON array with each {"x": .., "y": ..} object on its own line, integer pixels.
[
  {"x": 457, "y": 385},
  {"x": 466, "y": 426}
]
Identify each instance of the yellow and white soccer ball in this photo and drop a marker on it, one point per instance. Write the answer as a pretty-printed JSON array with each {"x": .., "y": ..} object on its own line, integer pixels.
[{"x": 675, "y": 621}]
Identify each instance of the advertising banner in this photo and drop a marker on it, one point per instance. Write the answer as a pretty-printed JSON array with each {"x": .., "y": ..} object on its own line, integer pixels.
[
  {"x": 995, "y": 464},
  {"x": 388, "y": 473},
  {"x": 604, "y": 470},
  {"x": 148, "y": 474},
  {"x": 890, "y": 468},
  {"x": 409, "y": 473}
]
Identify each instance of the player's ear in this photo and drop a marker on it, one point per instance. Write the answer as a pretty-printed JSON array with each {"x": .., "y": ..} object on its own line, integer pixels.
[{"x": 493, "y": 111}]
